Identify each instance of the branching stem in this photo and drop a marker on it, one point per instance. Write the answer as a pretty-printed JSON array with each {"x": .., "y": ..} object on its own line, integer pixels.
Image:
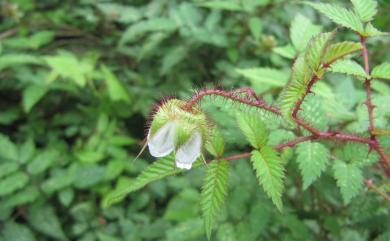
[{"x": 252, "y": 99}]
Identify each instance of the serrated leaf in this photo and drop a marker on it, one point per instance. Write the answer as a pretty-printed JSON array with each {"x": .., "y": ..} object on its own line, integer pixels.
[
  {"x": 17, "y": 232},
  {"x": 316, "y": 49},
  {"x": 270, "y": 173},
  {"x": 381, "y": 71},
  {"x": 213, "y": 192},
  {"x": 12, "y": 183},
  {"x": 350, "y": 67},
  {"x": 312, "y": 159},
  {"x": 371, "y": 31},
  {"x": 306, "y": 66},
  {"x": 45, "y": 220},
  {"x": 294, "y": 90},
  {"x": 259, "y": 76},
  {"x": 216, "y": 145},
  {"x": 349, "y": 179},
  {"x": 340, "y": 50},
  {"x": 287, "y": 51},
  {"x": 301, "y": 31},
  {"x": 339, "y": 15},
  {"x": 159, "y": 169},
  {"x": 365, "y": 9},
  {"x": 253, "y": 128}
]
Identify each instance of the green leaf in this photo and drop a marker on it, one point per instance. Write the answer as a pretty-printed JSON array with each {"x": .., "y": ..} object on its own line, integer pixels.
[
  {"x": 365, "y": 9},
  {"x": 27, "y": 195},
  {"x": 213, "y": 192},
  {"x": 12, "y": 183},
  {"x": 8, "y": 150},
  {"x": 270, "y": 172},
  {"x": 42, "y": 161},
  {"x": 312, "y": 159},
  {"x": 13, "y": 60},
  {"x": 45, "y": 220},
  {"x": 316, "y": 49},
  {"x": 116, "y": 90},
  {"x": 350, "y": 67},
  {"x": 340, "y": 50},
  {"x": 255, "y": 26},
  {"x": 17, "y": 232},
  {"x": 32, "y": 94},
  {"x": 339, "y": 15},
  {"x": 301, "y": 31},
  {"x": 86, "y": 176},
  {"x": 349, "y": 179},
  {"x": 253, "y": 128},
  {"x": 381, "y": 71},
  {"x": 172, "y": 58},
  {"x": 287, "y": 51},
  {"x": 371, "y": 31},
  {"x": 157, "y": 170},
  {"x": 294, "y": 90},
  {"x": 223, "y": 5},
  {"x": 260, "y": 76},
  {"x": 216, "y": 145},
  {"x": 7, "y": 168},
  {"x": 145, "y": 26}
]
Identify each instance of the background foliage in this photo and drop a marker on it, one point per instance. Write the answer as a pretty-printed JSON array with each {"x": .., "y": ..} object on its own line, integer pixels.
[{"x": 77, "y": 83}]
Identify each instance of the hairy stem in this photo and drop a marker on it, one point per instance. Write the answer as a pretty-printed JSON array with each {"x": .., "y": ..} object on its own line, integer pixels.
[
  {"x": 278, "y": 147},
  {"x": 367, "y": 84},
  {"x": 233, "y": 95},
  {"x": 253, "y": 100},
  {"x": 370, "y": 108}
]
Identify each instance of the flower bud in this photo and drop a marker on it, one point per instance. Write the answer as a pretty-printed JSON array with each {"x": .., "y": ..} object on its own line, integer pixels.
[{"x": 177, "y": 128}]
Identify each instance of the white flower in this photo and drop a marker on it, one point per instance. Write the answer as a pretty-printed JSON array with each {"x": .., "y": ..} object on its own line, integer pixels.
[
  {"x": 189, "y": 151},
  {"x": 163, "y": 142}
]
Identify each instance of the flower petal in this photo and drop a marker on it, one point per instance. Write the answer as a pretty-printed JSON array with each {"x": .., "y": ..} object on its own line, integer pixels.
[
  {"x": 189, "y": 151},
  {"x": 163, "y": 141}
]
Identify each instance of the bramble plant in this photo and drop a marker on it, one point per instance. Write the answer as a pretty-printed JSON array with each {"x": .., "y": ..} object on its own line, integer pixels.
[
  {"x": 181, "y": 131},
  {"x": 272, "y": 124}
]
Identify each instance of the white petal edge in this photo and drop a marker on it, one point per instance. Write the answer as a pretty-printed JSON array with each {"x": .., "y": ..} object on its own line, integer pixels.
[
  {"x": 162, "y": 143},
  {"x": 189, "y": 151}
]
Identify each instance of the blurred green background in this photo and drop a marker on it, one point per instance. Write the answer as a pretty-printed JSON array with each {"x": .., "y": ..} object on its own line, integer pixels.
[{"x": 78, "y": 80}]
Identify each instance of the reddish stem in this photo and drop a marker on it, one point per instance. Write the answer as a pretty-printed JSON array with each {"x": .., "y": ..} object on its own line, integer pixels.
[
  {"x": 233, "y": 96},
  {"x": 370, "y": 108}
]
